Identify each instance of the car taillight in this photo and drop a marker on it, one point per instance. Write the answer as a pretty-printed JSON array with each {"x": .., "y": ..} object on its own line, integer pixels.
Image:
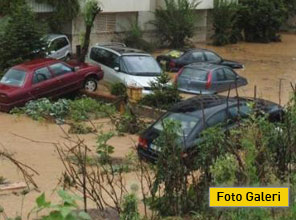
[
  {"x": 143, "y": 142},
  {"x": 177, "y": 75},
  {"x": 209, "y": 81},
  {"x": 172, "y": 64}
]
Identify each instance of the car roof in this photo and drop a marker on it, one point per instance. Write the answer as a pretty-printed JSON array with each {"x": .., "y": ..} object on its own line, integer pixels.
[
  {"x": 50, "y": 37},
  {"x": 204, "y": 66},
  {"x": 124, "y": 50},
  {"x": 33, "y": 64}
]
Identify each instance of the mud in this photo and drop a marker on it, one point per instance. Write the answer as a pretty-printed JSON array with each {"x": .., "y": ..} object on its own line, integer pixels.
[{"x": 265, "y": 65}]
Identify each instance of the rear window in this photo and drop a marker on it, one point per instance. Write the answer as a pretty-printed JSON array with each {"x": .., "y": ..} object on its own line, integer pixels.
[
  {"x": 14, "y": 77},
  {"x": 197, "y": 74},
  {"x": 187, "y": 122}
]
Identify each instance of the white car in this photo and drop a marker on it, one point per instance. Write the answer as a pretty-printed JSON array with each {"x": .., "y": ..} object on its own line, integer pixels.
[
  {"x": 59, "y": 46},
  {"x": 125, "y": 65}
]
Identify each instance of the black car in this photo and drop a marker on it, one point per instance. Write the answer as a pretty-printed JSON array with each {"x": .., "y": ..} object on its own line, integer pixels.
[
  {"x": 205, "y": 78},
  {"x": 175, "y": 60},
  {"x": 193, "y": 120}
]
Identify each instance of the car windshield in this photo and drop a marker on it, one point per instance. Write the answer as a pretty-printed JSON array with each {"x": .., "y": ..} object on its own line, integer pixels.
[
  {"x": 187, "y": 122},
  {"x": 141, "y": 65},
  {"x": 197, "y": 74},
  {"x": 14, "y": 77}
]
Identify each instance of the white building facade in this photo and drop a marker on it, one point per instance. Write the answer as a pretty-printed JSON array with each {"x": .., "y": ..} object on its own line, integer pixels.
[{"x": 118, "y": 15}]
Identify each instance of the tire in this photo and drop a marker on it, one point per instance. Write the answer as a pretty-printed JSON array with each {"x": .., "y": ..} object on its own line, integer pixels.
[
  {"x": 68, "y": 57},
  {"x": 90, "y": 84}
]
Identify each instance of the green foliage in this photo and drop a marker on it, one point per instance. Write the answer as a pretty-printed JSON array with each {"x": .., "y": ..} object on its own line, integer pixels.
[
  {"x": 7, "y": 6},
  {"x": 129, "y": 123},
  {"x": 164, "y": 93},
  {"x": 118, "y": 89},
  {"x": 91, "y": 7},
  {"x": 105, "y": 150},
  {"x": 79, "y": 128},
  {"x": 77, "y": 110},
  {"x": 20, "y": 37},
  {"x": 225, "y": 22},
  {"x": 290, "y": 6},
  {"x": 261, "y": 19},
  {"x": 130, "y": 208},
  {"x": 176, "y": 22},
  {"x": 65, "y": 210},
  {"x": 134, "y": 38},
  {"x": 64, "y": 11}
]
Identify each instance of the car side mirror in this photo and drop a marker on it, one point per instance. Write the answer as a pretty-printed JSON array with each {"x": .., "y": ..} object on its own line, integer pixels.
[{"x": 116, "y": 69}]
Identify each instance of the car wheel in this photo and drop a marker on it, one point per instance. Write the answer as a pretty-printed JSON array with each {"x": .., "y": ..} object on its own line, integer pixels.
[
  {"x": 90, "y": 85},
  {"x": 68, "y": 57}
]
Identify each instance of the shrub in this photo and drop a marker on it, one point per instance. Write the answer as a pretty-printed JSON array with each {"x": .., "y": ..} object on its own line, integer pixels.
[
  {"x": 118, "y": 89},
  {"x": 21, "y": 37},
  {"x": 130, "y": 208},
  {"x": 261, "y": 19},
  {"x": 164, "y": 94},
  {"x": 134, "y": 38},
  {"x": 225, "y": 22},
  {"x": 176, "y": 22}
]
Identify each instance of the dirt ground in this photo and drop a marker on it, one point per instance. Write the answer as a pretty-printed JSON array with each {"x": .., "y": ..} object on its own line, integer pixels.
[{"x": 265, "y": 65}]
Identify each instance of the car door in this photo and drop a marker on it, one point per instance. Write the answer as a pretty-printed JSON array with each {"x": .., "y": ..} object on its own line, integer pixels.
[
  {"x": 107, "y": 60},
  {"x": 68, "y": 80},
  {"x": 218, "y": 81},
  {"x": 58, "y": 48},
  {"x": 231, "y": 78},
  {"x": 43, "y": 83},
  {"x": 219, "y": 117},
  {"x": 212, "y": 57}
]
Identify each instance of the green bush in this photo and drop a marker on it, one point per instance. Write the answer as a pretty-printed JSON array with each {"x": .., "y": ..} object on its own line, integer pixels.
[
  {"x": 225, "y": 22},
  {"x": 134, "y": 38},
  {"x": 261, "y": 19},
  {"x": 164, "y": 94},
  {"x": 21, "y": 36},
  {"x": 118, "y": 89},
  {"x": 176, "y": 22},
  {"x": 130, "y": 208}
]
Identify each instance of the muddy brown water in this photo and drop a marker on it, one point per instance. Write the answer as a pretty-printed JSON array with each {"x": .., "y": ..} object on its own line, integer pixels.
[{"x": 265, "y": 65}]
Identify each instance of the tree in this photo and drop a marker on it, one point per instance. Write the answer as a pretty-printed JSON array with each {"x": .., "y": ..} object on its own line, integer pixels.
[
  {"x": 176, "y": 22},
  {"x": 7, "y": 6},
  {"x": 225, "y": 22},
  {"x": 64, "y": 10},
  {"x": 91, "y": 10},
  {"x": 261, "y": 19},
  {"x": 20, "y": 38}
]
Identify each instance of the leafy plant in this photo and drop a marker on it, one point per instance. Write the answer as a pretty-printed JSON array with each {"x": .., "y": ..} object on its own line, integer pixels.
[
  {"x": 134, "y": 38},
  {"x": 118, "y": 89},
  {"x": 130, "y": 208},
  {"x": 21, "y": 37},
  {"x": 104, "y": 150},
  {"x": 66, "y": 209},
  {"x": 175, "y": 22},
  {"x": 225, "y": 22},
  {"x": 78, "y": 128},
  {"x": 164, "y": 93}
]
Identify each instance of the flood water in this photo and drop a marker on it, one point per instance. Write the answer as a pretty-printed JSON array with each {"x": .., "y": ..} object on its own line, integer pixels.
[{"x": 265, "y": 66}]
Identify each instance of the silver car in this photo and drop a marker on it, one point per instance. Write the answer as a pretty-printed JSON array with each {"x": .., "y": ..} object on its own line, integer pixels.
[
  {"x": 203, "y": 78},
  {"x": 59, "y": 46}
]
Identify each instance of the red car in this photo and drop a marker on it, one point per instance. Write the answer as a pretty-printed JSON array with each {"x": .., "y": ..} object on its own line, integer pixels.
[{"x": 45, "y": 78}]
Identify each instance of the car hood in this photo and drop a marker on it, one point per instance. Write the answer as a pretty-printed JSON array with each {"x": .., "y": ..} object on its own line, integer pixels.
[
  {"x": 7, "y": 88},
  {"x": 140, "y": 81}
]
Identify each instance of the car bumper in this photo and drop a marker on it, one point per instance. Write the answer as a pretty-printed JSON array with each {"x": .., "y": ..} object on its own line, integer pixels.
[
  {"x": 147, "y": 155},
  {"x": 5, "y": 107},
  {"x": 203, "y": 92}
]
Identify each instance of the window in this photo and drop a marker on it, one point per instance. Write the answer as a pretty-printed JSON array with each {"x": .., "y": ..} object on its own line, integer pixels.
[
  {"x": 194, "y": 73},
  {"x": 229, "y": 74},
  {"x": 58, "y": 44},
  {"x": 243, "y": 111},
  {"x": 217, "y": 118},
  {"x": 197, "y": 57},
  {"x": 187, "y": 122},
  {"x": 106, "y": 23},
  {"x": 60, "y": 69},
  {"x": 220, "y": 75},
  {"x": 14, "y": 77},
  {"x": 141, "y": 65},
  {"x": 62, "y": 42},
  {"x": 212, "y": 57},
  {"x": 104, "y": 57},
  {"x": 41, "y": 75},
  {"x": 54, "y": 46}
]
